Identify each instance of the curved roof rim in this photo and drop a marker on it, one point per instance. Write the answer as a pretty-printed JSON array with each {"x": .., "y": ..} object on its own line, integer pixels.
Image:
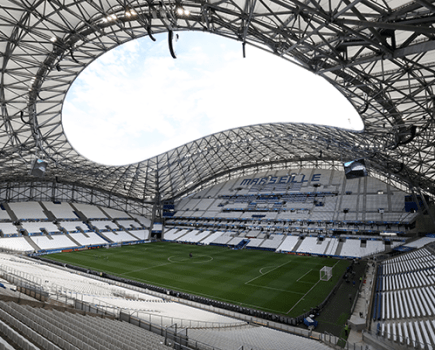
[{"x": 403, "y": 76}]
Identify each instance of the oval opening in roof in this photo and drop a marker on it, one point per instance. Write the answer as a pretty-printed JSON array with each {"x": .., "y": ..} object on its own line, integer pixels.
[{"x": 136, "y": 101}]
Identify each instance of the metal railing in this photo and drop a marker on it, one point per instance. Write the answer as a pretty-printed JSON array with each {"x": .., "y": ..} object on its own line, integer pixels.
[
  {"x": 163, "y": 325},
  {"x": 399, "y": 341}
]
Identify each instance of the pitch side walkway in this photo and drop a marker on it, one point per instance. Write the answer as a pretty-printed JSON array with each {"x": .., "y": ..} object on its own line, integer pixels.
[
  {"x": 358, "y": 319},
  {"x": 333, "y": 317}
]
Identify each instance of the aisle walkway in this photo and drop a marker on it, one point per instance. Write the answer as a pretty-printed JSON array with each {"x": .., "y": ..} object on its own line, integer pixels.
[{"x": 358, "y": 319}]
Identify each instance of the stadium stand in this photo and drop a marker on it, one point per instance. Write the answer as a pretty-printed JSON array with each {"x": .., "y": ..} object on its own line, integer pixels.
[
  {"x": 19, "y": 244},
  {"x": 129, "y": 224},
  {"x": 90, "y": 211},
  {"x": 273, "y": 242},
  {"x": 53, "y": 242},
  {"x": 254, "y": 242},
  {"x": 140, "y": 234},
  {"x": 143, "y": 220},
  {"x": 421, "y": 242},
  {"x": 28, "y": 210},
  {"x": 173, "y": 234},
  {"x": 73, "y": 226},
  {"x": 403, "y": 306},
  {"x": 194, "y": 236},
  {"x": 116, "y": 214},
  {"x": 62, "y": 211},
  {"x": 288, "y": 244},
  {"x": 8, "y": 228},
  {"x": 56, "y": 328},
  {"x": 314, "y": 245},
  {"x": 64, "y": 229},
  {"x": 118, "y": 236},
  {"x": 212, "y": 237},
  {"x": 378, "y": 54},
  {"x": 223, "y": 238},
  {"x": 88, "y": 238},
  {"x": 53, "y": 329},
  {"x": 103, "y": 224},
  {"x": 313, "y": 229},
  {"x": 317, "y": 202},
  {"x": 254, "y": 338}
]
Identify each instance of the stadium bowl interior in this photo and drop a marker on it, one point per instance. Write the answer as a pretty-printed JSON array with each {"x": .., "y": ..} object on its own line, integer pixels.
[{"x": 365, "y": 198}]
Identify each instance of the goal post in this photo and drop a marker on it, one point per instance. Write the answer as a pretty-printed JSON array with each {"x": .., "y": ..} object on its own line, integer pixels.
[{"x": 325, "y": 273}]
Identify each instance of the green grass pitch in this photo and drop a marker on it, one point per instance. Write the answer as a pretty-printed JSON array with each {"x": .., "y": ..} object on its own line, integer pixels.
[{"x": 277, "y": 283}]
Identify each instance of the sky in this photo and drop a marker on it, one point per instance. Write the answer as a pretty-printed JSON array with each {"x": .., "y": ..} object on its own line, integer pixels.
[{"x": 136, "y": 101}]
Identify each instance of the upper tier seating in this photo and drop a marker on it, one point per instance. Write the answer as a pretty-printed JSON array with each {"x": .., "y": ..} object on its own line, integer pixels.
[
  {"x": 313, "y": 200},
  {"x": 421, "y": 242},
  {"x": 28, "y": 210},
  {"x": 90, "y": 211},
  {"x": 143, "y": 220},
  {"x": 61, "y": 211},
  {"x": 128, "y": 224},
  {"x": 116, "y": 214}
]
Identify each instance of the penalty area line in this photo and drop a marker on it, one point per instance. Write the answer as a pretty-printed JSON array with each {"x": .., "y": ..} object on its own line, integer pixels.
[
  {"x": 277, "y": 289},
  {"x": 261, "y": 275},
  {"x": 304, "y": 275},
  {"x": 307, "y": 293}
]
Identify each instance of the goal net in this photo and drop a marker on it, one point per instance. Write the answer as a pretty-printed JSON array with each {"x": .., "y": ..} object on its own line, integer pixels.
[{"x": 325, "y": 273}]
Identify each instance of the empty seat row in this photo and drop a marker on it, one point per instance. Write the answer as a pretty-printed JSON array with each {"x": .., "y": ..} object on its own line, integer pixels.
[
  {"x": 72, "y": 331},
  {"x": 419, "y": 334},
  {"x": 402, "y": 304}
]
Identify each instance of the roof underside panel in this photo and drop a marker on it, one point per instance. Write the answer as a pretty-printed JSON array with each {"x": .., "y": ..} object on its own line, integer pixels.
[{"x": 380, "y": 55}]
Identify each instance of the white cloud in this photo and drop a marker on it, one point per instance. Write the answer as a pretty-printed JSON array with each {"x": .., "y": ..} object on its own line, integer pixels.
[{"x": 136, "y": 101}]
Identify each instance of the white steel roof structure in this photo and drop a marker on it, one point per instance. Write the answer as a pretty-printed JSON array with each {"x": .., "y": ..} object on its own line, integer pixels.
[{"x": 379, "y": 54}]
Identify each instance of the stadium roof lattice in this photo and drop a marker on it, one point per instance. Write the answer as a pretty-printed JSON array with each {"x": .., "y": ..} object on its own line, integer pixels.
[{"x": 379, "y": 54}]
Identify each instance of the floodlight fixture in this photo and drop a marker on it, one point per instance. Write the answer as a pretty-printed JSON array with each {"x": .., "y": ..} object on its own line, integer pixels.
[
  {"x": 53, "y": 39},
  {"x": 181, "y": 11},
  {"x": 130, "y": 12}
]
